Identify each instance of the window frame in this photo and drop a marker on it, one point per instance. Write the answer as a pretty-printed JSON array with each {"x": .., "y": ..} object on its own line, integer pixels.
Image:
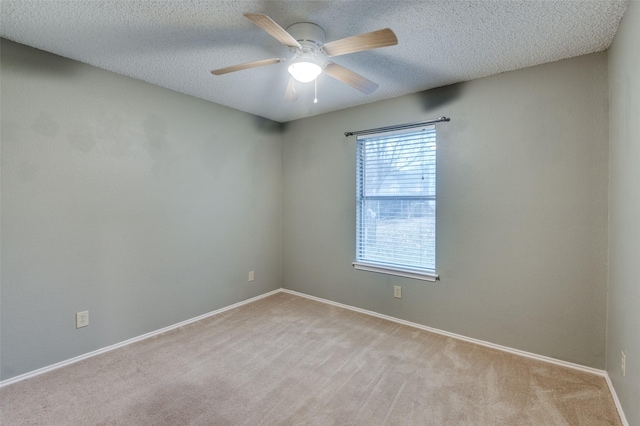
[{"x": 425, "y": 274}]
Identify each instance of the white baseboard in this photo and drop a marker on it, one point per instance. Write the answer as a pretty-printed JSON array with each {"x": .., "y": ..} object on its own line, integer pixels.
[
  {"x": 55, "y": 366},
  {"x": 519, "y": 352},
  {"x": 601, "y": 373},
  {"x": 614, "y": 395},
  {"x": 456, "y": 336}
]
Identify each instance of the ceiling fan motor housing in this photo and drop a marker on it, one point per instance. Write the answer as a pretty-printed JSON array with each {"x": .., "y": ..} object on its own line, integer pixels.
[{"x": 309, "y": 35}]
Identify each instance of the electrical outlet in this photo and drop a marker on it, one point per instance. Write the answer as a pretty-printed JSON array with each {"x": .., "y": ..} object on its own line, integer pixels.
[
  {"x": 397, "y": 292},
  {"x": 82, "y": 319},
  {"x": 251, "y": 276},
  {"x": 623, "y": 364}
]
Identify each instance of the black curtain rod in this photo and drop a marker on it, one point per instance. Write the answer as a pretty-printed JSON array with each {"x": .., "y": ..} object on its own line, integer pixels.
[{"x": 396, "y": 127}]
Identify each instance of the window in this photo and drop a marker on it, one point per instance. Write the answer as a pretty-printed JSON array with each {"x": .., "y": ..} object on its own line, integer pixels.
[{"x": 396, "y": 203}]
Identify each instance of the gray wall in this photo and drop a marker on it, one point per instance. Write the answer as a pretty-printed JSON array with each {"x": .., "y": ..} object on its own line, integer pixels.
[
  {"x": 148, "y": 207},
  {"x": 145, "y": 206},
  {"x": 623, "y": 332},
  {"x": 522, "y": 210}
]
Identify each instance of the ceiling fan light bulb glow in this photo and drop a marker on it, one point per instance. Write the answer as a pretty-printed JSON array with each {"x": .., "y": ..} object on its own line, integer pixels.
[{"x": 305, "y": 72}]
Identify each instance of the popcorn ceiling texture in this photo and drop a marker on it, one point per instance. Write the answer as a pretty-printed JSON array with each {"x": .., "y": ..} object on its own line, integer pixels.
[{"x": 175, "y": 44}]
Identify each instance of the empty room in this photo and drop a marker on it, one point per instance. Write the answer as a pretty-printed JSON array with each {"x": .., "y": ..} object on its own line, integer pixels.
[{"x": 320, "y": 212}]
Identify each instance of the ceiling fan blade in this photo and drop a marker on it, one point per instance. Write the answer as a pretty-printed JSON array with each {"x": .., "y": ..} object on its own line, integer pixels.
[
  {"x": 367, "y": 41},
  {"x": 246, "y": 66},
  {"x": 351, "y": 78},
  {"x": 290, "y": 95},
  {"x": 273, "y": 29}
]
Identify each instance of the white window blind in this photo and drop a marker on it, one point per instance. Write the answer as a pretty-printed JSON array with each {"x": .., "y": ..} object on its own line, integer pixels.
[{"x": 396, "y": 203}]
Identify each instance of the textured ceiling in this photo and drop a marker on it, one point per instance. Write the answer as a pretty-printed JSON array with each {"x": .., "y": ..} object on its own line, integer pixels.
[{"x": 174, "y": 44}]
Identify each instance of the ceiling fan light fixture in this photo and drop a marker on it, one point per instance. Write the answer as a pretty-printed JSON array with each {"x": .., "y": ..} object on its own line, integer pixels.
[{"x": 305, "y": 72}]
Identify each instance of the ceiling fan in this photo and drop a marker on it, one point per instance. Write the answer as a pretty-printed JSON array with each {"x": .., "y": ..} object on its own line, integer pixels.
[{"x": 305, "y": 40}]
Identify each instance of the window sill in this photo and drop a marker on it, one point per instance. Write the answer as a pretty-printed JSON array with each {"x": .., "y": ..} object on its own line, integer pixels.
[{"x": 406, "y": 273}]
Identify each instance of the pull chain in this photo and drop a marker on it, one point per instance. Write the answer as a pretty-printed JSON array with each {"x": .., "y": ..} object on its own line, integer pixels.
[{"x": 315, "y": 97}]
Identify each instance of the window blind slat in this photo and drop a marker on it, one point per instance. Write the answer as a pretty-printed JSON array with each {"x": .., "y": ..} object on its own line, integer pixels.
[{"x": 396, "y": 188}]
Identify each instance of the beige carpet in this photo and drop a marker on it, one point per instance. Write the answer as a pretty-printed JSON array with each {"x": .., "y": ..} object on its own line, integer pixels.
[{"x": 286, "y": 360}]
